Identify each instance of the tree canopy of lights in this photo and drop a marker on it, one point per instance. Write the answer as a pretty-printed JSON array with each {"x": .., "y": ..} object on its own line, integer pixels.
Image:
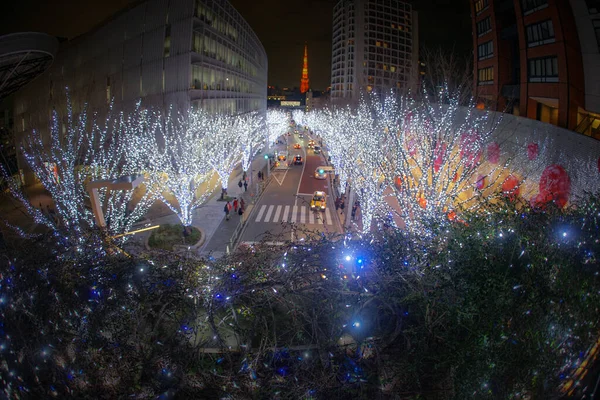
[
  {"x": 250, "y": 136},
  {"x": 504, "y": 307},
  {"x": 222, "y": 145},
  {"x": 75, "y": 152},
  {"x": 425, "y": 162},
  {"x": 181, "y": 166},
  {"x": 277, "y": 123},
  {"x": 115, "y": 149}
]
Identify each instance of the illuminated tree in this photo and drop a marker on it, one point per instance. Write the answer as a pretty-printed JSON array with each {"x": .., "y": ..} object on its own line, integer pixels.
[
  {"x": 427, "y": 161},
  {"x": 277, "y": 124},
  {"x": 250, "y": 136},
  {"x": 222, "y": 146},
  {"x": 181, "y": 167},
  {"x": 120, "y": 147}
]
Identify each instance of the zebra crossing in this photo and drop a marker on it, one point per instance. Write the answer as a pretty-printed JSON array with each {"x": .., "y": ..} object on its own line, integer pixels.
[{"x": 293, "y": 214}]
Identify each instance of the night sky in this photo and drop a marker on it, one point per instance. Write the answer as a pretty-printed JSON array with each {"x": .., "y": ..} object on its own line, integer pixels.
[{"x": 282, "y": 25}]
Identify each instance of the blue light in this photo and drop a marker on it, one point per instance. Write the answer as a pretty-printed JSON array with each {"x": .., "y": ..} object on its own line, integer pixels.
[{"x": 356, "y": 324}]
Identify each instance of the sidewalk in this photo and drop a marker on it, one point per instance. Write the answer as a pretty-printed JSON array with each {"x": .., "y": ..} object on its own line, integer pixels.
[{"x": 219, "y": 236}]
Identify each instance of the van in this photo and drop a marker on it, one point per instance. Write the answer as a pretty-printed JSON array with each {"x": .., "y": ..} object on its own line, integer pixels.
[{"x": 323, "y": 171}]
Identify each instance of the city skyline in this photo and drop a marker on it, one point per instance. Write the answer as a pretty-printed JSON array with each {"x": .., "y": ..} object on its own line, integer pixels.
[{"x": 282, "y": 28}]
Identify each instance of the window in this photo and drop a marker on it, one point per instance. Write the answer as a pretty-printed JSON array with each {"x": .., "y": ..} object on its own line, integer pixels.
[
  {"x": 167, "y": 51},
  {"x": 593, "y": 6},
  {"x": 530, "y": 6},
  {"x": 485, "y": 50},
  {"x": 543, "y": 69},
  {"x": 540, "y": 33},
  {"x": 596, "y": 24},
  {"x": 481, "y": 5},
  {"x": 484, "y": 26},
  {"x": 485, "y": 76}
]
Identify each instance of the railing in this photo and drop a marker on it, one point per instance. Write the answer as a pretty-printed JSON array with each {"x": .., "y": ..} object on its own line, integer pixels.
[{"x": 235, "y": 237}]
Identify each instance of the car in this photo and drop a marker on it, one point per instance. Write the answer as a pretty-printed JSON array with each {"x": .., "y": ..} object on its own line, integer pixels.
[
  {"x": 319, "y": 201},
  {"x": 311, "y": 144},
  {"x": 296, "y": 131},
  {"x": 300, "y": 135},
  {"x": 317, "y": 150},
  {"x": 298, "y": 160},
  {"x": 297, "y": 145}
]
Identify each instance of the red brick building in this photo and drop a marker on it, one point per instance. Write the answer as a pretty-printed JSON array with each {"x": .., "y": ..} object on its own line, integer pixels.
[{"x": 539, "y": 59}]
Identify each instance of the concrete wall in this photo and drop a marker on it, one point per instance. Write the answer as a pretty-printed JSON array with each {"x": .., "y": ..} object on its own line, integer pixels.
[
  {"x": 578, "y": 154},
  {"x": 590, "y": 52}
]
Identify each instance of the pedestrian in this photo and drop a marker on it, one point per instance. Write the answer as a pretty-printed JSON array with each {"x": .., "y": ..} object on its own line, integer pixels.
[
  {"x": 243, "y": 204},
  {"x": 259, "y": 176},
  {"x": 244, "y": 176},
  {"x": 240, "y": 184},
  {"x": 354, "y": 211},
  {"x": 227, "y": 209},
  {"x": 240, "y": 211},
  {"x": 245, "y": 186},
  {"x": 235, "y": 204},
  {"x": 337, "y": 203},
  {"x": 342, "y": 205}
]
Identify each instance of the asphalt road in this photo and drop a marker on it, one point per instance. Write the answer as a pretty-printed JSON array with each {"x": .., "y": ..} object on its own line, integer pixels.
[{"x": 283, "y": 211}]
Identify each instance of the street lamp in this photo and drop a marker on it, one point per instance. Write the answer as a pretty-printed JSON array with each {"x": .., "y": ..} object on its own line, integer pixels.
[{"x": 128, "y": 182}]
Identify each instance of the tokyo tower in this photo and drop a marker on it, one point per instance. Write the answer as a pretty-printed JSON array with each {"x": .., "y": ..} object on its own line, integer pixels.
[{"x": 304, "y": 80}]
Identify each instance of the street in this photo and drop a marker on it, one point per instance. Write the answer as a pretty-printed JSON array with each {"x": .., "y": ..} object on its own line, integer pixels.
[{"x": 283, "y": 211}]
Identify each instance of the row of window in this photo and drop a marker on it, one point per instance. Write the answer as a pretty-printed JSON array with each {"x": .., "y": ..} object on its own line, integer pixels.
[
  {"x": 210, "y": 47},
  {"x": 209, "y": 78},
  {"x": 539, "y": 70},
  {"x": 530, "y": 6},
  {"x": 485, "y": 50},
  {"x": 481, "y": 5},
  {"x": 537, "y": 34},
  {"x": 540, "y": 33},
  {"x": 484, "y": 26},
  {"x": 231, "y": 106},
  {"x": 210, "y": 17}
]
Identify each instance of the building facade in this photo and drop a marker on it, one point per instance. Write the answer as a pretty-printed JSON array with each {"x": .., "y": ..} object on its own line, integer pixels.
[
  {"x": 539, "y": 59},
  {"x": 166, "y": 53},
  {"x": 375, "y": 47}
]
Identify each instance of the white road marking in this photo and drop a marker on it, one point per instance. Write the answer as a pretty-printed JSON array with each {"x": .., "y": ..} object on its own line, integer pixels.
[
  {"x": 260, "y": 213},
  {"x": 302, "y": 214},
  {"x": 277, "y": 212},
  {"x": 311, "y": 217},
  {"x": 269, "y": 212},
  {"x": 328, "y": 216},
  {"x": 294, "y": 214},
  {"x": 286, "y": 212}
]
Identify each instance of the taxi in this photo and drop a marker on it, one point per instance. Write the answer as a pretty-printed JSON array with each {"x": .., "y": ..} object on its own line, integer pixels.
[
  {"x": 297, "y": 145},
  {"x": 311, "y": 144},
  {"x": 319, "y": 201}
]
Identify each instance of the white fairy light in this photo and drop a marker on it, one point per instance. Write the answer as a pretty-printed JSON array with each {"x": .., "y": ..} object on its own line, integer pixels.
[
  {"x": 250, "y": 136},
  {"x": 181, "y": 167},
  {"x": 276, "y": 125},
  {"x": 221, "y": 146}
]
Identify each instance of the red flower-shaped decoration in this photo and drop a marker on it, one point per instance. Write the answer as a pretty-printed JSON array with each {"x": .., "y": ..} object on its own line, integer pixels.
[
  {"x": 493, "y": 151},
  {"x": 555, "y": 185},
  {"x": 532, "y": 151},
  {"x": 510, "y": 186}
]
